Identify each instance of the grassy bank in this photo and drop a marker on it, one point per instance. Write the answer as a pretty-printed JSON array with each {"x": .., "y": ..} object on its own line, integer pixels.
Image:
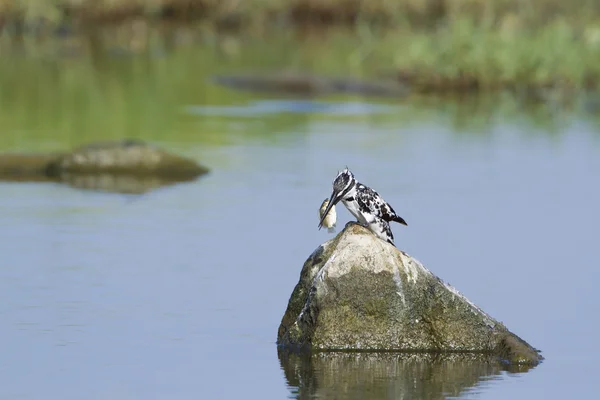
[
  {"x": 240, "y": 12},
  {"x": 466, "y": 57},
  {"x": 432, "y": 45}
]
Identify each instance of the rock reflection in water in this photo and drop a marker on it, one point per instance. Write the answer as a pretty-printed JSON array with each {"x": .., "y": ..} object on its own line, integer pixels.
[
  {"x": 125, "y": 184},
  {"x": 366, "y": 376}
]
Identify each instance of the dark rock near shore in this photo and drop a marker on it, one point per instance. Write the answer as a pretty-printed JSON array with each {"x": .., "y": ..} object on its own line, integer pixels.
[
  {"x": 357, "y": 292},
  {"x": 311, "y": 85}
]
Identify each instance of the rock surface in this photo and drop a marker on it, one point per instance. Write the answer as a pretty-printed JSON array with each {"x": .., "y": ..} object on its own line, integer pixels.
[
  {"x": 131, "y": 157},
  {"x": 357, "y": 292}
]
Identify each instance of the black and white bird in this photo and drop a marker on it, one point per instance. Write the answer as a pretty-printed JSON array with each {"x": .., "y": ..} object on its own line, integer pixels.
[{"x": 365, "y": 204}]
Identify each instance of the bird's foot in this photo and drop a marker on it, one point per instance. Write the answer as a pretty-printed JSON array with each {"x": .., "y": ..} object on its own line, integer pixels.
[{"x": 355, "y": 223}]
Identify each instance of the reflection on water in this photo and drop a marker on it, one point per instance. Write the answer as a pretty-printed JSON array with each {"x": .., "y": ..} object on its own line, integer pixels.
[
  {"x": 341, "y": 375},
  {"x": 99, "y": 96},
  {"x": 126, "y": 184},
  {"x": 261, "y": 108},
  {"x": 112, "y": 183}
]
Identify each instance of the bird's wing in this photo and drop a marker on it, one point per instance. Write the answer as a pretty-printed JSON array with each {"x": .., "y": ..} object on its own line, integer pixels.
[
  {"x": 368, "y": 199},
  {"x": 374, "y": 202}
]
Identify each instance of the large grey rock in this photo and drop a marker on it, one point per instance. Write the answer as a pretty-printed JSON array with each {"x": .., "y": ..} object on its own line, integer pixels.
[{"x": 357, "y": 292}]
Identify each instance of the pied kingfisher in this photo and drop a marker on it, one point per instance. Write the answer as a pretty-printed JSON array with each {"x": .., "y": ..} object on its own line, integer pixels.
[{"x": 365, "y": 204}]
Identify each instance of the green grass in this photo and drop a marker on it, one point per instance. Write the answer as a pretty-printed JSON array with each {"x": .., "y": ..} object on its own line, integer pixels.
[
  {"x": 433, "y": 45},
  {"x": 466, "y": 57},
  {"x": 390, "y": 12}
]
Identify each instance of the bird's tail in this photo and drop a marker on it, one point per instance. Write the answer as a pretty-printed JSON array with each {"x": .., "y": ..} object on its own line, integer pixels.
[{"x": 400, "y": 220}]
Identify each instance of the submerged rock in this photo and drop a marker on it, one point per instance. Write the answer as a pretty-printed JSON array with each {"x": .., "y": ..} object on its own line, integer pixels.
[{"x": 357, "y": 292}]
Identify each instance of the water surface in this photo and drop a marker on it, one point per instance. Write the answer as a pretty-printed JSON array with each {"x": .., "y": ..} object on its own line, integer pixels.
[{"x": 178, "y": 293}]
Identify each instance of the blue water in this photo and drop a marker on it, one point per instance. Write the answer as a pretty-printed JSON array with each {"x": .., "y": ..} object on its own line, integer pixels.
[
  {"x": 261, "y": 108},
  {"x": 178, "y": 293}
]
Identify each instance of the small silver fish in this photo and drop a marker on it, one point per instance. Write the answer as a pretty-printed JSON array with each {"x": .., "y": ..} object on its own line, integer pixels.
[{"x": 329, "y": 221}]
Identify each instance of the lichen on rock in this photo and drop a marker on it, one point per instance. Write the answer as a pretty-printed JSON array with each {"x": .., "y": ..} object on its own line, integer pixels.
[{"x": 357, "y": 292}]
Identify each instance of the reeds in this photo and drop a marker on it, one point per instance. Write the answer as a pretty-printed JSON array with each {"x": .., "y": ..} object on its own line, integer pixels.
[{"x": 433, "y": 45}]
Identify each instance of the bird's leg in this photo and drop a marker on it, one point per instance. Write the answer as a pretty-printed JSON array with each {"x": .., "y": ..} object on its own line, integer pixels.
[{"x": 355, "y": 223}]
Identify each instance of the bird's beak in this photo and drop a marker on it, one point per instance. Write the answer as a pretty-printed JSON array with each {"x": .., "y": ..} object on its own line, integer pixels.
[{"x": 329, "y": 206}]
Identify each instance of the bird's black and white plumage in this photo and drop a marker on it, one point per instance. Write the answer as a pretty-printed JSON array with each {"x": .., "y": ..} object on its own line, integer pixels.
[{"x": 365, "y": 204}]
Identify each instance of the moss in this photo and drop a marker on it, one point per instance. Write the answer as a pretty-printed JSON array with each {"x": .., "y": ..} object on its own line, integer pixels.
[
  {"x": 377, "y": 308},
  {"x": 514, "y": 350}
]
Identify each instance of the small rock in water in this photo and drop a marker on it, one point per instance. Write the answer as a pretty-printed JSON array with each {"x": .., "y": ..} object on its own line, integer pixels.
[
  {"x": 125, "y": 166},
  {"x": 330, "y": 219},
  {"x": 129, "y": 156}
]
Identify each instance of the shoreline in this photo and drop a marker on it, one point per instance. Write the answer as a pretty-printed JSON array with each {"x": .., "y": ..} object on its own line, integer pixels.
[{"x": 436, "y": 48}]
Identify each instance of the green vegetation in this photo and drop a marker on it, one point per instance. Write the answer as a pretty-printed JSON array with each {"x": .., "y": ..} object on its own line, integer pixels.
[
  {"x": 467, "y": 57},
  {"x": 390, "y": 12},
  {"x": 433, "y": 45},
  {"x": 50, "y": 102}
]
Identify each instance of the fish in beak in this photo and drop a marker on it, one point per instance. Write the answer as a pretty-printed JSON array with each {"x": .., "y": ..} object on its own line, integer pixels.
[
  {"x": 327, "y": 216},
  {"x": 344, "y": 182},
  {"x": 333, "y": 200}
]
